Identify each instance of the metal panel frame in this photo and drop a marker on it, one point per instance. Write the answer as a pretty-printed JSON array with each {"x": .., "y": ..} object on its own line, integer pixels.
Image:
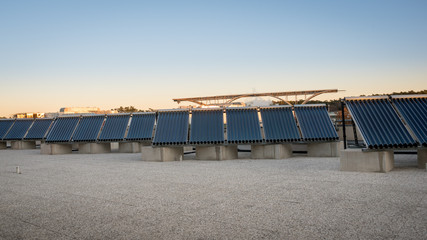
[
  {"x": 133, "y": 139},
  {"x": 20, "y": 133},
  {"x": 8, "y": 129},
  {"x": 54, "y": 125},
  {"x": 88, "y": 126},
  {"x": 413, "y": 117},
  {"x": 34, "y": 125},
  {"x": 267, "y": 139},
  {"x": 257, "y": 133},
  {"x": 408, "y": 96},
  {"x": 176, "y": 141},
  {"x": 110, "y": 116},
  {"x": 374, "y": 145},
  {"x": 323, "y": 131},
  {"x": 212, "y": 141}
]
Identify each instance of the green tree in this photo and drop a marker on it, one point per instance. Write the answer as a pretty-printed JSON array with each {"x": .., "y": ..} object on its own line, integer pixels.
[{"x": 129, "y": 109}]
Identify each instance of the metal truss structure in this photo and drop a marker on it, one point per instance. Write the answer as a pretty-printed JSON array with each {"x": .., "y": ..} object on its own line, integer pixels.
[{"x": 226, "y": 100}]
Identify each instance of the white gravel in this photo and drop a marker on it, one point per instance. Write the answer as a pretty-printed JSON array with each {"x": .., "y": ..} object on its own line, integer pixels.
[{"x": 117, "y": 196}]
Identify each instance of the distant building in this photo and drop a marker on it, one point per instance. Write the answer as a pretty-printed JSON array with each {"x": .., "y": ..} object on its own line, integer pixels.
[
  {"x": 74, "y": 110},
  {"x": 29, "y": 115},
  {"x": 64, "y": 110},
  {"x": 51, "y": 115},
  {"x": 83, "y": 110}
]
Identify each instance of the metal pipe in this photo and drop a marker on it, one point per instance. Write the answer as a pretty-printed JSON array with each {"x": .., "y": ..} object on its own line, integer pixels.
[
  {"x": 356, "y": 141},
  {"x": 343, "y": 125}
]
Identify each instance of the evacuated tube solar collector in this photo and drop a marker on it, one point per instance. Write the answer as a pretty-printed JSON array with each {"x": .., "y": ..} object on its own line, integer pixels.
[
  {"x": 172, "y": 128},
  {"x": 378, "y": 122}
]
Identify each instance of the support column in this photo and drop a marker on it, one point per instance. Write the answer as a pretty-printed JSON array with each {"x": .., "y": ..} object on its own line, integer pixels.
[
  {"x": 357, "y": 160},
  {"x": 162, "y": 154},
  {"x": 129, "y": 147},
  {"x": 216, "y": 152},
  {"x": 20, "y": 145},
  {"x": 93, "y": 148},
  {"x": 274, "y": 151},
  {"x": 54, "y": 149},
  {"x": 422, "y": 157},
  {"x": 327, "y": 149}
]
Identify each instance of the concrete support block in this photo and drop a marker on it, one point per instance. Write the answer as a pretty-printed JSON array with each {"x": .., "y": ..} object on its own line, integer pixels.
[
  {"x": 54, "y": 149},
  {"x": 162, "y": 154},
  {"x": 114, "y": 146},
  {"x": 276, "y": 151},
  {"x": 3, "y": 145},
  {"x": 422, "y": 157},
  {"x": 359, "y": 161},
  {"x": 216, "y": 152},
  {"x": 20, "y": 145},
  {"x": 327, "y": 149},
  {"x": 129, "y": 147},
  {"x": 45, "y": 149},
  {"x": 93, "y": 148}
]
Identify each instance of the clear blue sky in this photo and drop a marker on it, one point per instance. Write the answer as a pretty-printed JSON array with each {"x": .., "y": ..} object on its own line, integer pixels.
[{"x": 144, "y": 53}]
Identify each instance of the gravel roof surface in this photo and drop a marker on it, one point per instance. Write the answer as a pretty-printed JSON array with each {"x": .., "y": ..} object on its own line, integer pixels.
[{"x": 118, "y": 196}]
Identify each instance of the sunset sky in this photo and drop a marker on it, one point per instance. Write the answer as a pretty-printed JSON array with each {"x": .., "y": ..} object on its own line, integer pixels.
[{"x": 108, "y": 54}]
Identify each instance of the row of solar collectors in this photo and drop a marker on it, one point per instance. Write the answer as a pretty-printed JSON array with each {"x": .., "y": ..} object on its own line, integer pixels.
[
  {"x": 103, "y": 128},
  {"x": 390, "y": 121},
  {"x": 207, "y": 126},
  {"x": 24, "y": 129},
  {"x": 243, "y": 126},
  {"x": 80, "y": 128}
]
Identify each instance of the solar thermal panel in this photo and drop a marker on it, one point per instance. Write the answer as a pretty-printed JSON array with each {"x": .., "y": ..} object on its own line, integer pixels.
[
  {"x": 207, "y": 126},
  {"x": 243, "y": 126},
  {"x": 315, "y": 123},
  {"x": 172, "y": 128},
  {"x": 279, "y": 124}
]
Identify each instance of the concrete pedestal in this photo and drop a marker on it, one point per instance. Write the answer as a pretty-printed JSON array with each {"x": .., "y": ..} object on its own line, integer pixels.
[
  {"x": 20, "y": 145},
  {"x": 216, "y": 152},
  {"x": 327, "y": 149},
  {"x": 161, "y": 154},
  {"x": 93, "y": 148},
  {"x": 276, "y": 151},
  {"x": 422, "y": 157},
  {"x": 358, "y": 161},
  {"x": 114, "y": 146},
  {"x": 129, "y": 147},
  {"x": 3, "y": 145},
  {"x": 54, "y": 149}
]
